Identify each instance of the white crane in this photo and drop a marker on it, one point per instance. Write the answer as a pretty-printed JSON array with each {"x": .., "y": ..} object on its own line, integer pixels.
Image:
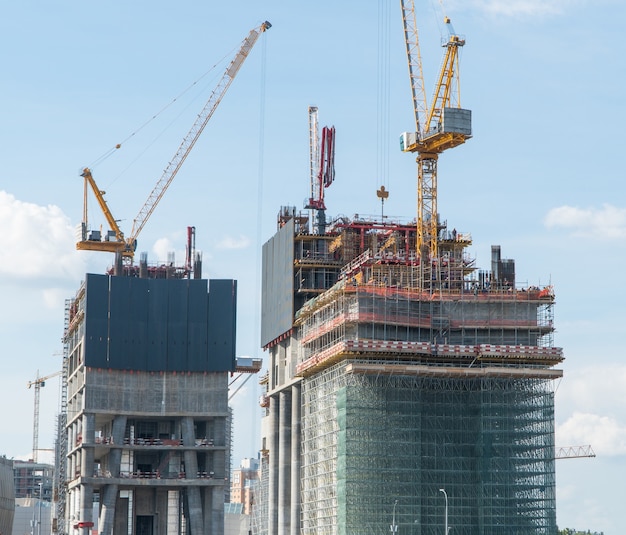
[{"x": 38, "y": 383}]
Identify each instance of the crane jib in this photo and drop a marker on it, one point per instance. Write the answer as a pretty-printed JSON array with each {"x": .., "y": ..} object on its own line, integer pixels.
[{"x": 114, "y": 240}]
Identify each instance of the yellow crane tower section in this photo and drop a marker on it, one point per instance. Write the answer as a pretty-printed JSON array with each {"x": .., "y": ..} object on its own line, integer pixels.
[
  {"x": 114, "y": 241},
  {"x": 441, "y": 126}
]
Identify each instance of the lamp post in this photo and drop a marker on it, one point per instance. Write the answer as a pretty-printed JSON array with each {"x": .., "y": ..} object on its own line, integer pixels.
[
  {"x": 446, "y": 514},
  {"x": 394, "y": 527},
  {"x": 39, "y": 522}
]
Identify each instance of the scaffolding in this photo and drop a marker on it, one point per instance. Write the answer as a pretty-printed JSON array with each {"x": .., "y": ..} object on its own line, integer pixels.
[
  {"x": 370, "y": 439},
  {"x": 513, "y": 327}
]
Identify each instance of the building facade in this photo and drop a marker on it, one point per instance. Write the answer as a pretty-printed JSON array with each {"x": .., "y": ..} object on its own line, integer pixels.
[
  {"x": 33, "y": 480},
  {"x": 147, "y": 420}
]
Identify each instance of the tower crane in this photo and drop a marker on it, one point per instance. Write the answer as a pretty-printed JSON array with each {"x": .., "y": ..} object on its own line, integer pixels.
[
  {"x": 441, "y": 126},
  {"x": 38, "y": 383},
  {"x": 115, "y": 241}
]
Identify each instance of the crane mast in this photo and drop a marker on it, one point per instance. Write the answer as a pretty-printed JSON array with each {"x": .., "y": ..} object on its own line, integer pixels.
[
  {"x": 38, "y": 383},
  {"x": 441, "y": 126},
  {"x": 115, "y": 241}
]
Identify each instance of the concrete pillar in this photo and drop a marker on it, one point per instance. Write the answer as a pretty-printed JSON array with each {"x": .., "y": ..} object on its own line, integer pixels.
[
  {"x": 284, "y": 462},
  {"x": 214, "y": 510},
  {"x": 296, "y": 415},
  {"x": 272, "y": 446},
  {"x": 194, "y": 503},
  {"x": 86, "y": 470},
  {"x": 109, "y": 492}
]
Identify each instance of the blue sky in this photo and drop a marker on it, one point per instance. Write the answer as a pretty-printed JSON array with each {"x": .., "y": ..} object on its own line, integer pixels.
[{"x": 541, "y": 176}]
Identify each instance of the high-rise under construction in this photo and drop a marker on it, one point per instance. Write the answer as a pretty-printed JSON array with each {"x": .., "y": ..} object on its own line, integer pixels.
[
  {"x": 145, "y": 439},
  {"x": 402, "y": 395}
]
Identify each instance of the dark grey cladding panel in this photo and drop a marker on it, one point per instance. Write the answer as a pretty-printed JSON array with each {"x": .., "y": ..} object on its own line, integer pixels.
[
  {"x": 178, "y": 357},
  {"x": 222, "y": 324},
  {"x": 159, "y": 324},
  {"x": 157, "y": 307},
  {"x": 96, "y": 320},
  {"x": 277, "y": 284},
  {"x": 128, "y": 320},
  {"x": 197, "y": 332}
]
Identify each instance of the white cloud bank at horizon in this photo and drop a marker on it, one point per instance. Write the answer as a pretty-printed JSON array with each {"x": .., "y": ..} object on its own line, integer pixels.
[
  {"x": 37, "y": 242},
  {"x": 607, "y": 222}
]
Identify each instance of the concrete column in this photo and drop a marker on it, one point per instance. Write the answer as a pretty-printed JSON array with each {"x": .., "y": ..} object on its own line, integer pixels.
[
  {"x": 194, "y": 503},
  {"x": 89, "y": 424},
  {"x": 214, "y": 506},
  {"x": 86, "y": 470},
  {"x": 284, "y": 463},
  {"x": 109, "y": 492},
  {"x": 296, "y": 415},
  {"x": 272, "y": 446}
]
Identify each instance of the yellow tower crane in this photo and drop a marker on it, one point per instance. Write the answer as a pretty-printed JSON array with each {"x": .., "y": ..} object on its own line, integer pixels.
[
  {"x": 114, "y": 241},
  {"x": 442, "y": 126},
  {"x": 38, "y": 383}
]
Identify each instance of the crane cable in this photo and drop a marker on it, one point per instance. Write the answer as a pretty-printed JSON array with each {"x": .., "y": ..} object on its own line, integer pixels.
[
  {"x": 259, "y": 215},
  {"x": 383, "y": 95},
  {"x": 113, "y": 149}
]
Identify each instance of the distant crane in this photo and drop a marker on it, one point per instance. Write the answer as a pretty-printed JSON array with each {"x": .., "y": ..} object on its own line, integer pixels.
[
  {"x": 574, "y": 452},
  {"x": 114, "y": 241},
  {"x": 322, "y": 166},
  {"x": 442, "y": 126},
  {"x": 38, "y": 383}
]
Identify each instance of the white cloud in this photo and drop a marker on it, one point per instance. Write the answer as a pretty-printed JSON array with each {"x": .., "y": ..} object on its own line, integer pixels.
[
  {"x": 163, "y": 248},
  {"x": 229, "y": 242},
  {"x": 606, "y": 435},
  {"x": 595, "y": 405},
  {"x": 608, "y": 222},
  {"x": 36, "y": 241}
]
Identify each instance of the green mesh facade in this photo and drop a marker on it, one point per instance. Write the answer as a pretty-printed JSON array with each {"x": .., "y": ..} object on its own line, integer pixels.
[{"x": 371, "y": 440}]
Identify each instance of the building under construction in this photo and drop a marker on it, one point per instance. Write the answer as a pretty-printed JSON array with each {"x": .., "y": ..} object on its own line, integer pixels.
[
  {"x": 146, "y": 433},
  {"x": 403, "y": 393}
]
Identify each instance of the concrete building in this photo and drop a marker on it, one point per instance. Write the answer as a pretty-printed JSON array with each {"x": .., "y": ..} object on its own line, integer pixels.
[
  {"x": 7, "y": 496},
  {"x": 33, "y": 480},
  {"x": 147, "y": 437},
  {"x": 402, "y": 392}
]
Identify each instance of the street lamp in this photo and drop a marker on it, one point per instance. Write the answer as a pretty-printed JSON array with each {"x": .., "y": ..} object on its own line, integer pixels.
[
  {"x": 394, "y": 527},
  {"x": 446, "y": 515}
]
